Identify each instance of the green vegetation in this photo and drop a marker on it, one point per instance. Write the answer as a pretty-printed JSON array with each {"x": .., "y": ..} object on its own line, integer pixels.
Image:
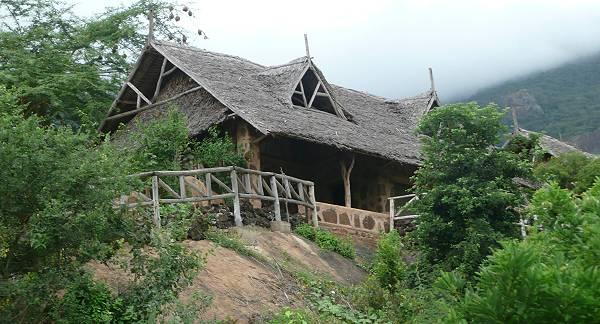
[
  {"x": 549, "y": 276},
  {"x": 573, "y": 171},
  {"x": 67, "y": 69},
  {"x": 568, "y": 95},
  {"x": 56, "y": 215},
  {"x": 552, "y": 276},
  {"x": 467, "y": 196},
  {"x": 327, "y": 241}
]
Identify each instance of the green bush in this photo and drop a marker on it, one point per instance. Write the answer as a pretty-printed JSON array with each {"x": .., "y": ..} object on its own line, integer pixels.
[
  {"x": 388, "y": 267},
  {"x": 215, "y": 150},
  {"x": 159, "y": 144},
  {"x": 552, "y": 276},
  {"x": 467, "y": 195},
  {"x": 86, "y": 301},
  {"x": 562, "y": 169},
  {"x": 327, "y": 241}
]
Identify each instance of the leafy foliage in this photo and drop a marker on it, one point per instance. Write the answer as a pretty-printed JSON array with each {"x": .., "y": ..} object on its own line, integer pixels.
[
  {"x": 327, "y": 240},
  {"x": 67, "y": 69},
  {"x": 467, "y": 196},
  {"x": 56, "y": 197},
  {"x": 388, "y": 266},
  {"x": 159, "y": 144},
  {"x": 552, "y": 276},
  {"x": 56, "y": 214},
  {"x": 215, "y": 150},
  {"x": 573, "y": 171}
]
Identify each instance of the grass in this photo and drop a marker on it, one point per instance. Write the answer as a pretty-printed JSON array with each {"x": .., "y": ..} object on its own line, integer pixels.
[{"x": 327, "y": 241}]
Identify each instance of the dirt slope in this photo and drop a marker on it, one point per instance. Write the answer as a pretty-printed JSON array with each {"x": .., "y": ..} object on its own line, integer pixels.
[{"x": 243, "y": 288}]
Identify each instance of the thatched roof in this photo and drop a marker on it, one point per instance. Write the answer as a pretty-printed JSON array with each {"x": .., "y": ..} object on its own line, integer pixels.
[
  {"x": 552, "y": 145},
  {"x": 261, "y": 95}
]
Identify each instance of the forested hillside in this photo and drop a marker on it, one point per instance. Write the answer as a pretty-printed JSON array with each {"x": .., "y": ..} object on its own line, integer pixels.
[{"x": 563, "y": 102}]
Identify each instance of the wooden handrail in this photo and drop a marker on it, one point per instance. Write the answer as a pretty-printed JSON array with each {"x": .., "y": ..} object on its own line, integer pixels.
[{"x": 241, "y": 187}]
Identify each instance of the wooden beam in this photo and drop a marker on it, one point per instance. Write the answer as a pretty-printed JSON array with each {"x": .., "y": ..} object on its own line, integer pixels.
[
  {"x": 303, "y": 93},
  {"x": 314, "y": 95},
  {"x": 168, "y": 189},
  {"x": 171, "y": 70},
  {"x": 346, "y": 172},
  {"x": 136, "y": 111},
  {"x": 338, "y": 112},
  {"x": 139, "y": 93},
  {"x": 160, "y": 77}
]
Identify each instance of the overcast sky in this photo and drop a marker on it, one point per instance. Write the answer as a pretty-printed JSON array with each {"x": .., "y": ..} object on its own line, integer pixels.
[{"x": 385, "y": 47}]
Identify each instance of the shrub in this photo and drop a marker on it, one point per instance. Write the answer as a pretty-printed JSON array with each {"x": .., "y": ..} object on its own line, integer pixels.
[
  {"x": 159, "y": 144},
  {"x": 215, "y": 150},
  {"x": 388, "y": 266},
  {"x": 562, "y": 169},
  {"x": 86, "y": 301},
  {"x": 327, "y": 240},
  {"x": 552, "y": 276}
]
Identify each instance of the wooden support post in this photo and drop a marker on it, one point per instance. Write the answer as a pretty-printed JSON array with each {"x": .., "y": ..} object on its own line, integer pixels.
[
  {"x": 313, "y": 201},
  {"x": 301, "y": 198},
  {"x": 346, "y": 172},
  {"x": 236, "y": 199},
  {"x": 288, "y": 195},
  {"x": 248, "y": 183},
  {"x": 155, "y": 201},
  {"x": 260, "y": 185},
  {"x": 276, "y": 206},
  {"x": 392, "y": 214},
  {"x": 208, "y": 185},
  {"x": 182, "y": 192}
]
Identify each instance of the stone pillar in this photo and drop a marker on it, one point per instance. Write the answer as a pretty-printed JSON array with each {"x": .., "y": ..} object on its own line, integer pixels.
[{"x": 246, "y": 142}]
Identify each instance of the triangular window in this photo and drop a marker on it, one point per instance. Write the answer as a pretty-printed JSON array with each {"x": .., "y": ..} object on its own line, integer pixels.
[{"x": 312, "y": 93}]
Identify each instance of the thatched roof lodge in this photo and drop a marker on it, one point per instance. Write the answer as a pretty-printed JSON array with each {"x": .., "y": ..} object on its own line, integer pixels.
[{"x": 285, "y": 118}]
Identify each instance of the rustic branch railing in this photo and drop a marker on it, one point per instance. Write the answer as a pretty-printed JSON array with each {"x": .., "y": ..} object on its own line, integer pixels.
[
  {"x": 243, "y": 184},
  {"x": 397, "y": 214}
]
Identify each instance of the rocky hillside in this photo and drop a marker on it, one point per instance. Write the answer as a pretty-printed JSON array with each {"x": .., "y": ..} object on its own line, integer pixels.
[{"x": 563, "y": 102}]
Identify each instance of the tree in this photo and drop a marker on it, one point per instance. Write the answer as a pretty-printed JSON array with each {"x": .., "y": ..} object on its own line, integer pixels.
[
  {"x": 467, "y": 196},
  {"x": 67, "y": 69}
]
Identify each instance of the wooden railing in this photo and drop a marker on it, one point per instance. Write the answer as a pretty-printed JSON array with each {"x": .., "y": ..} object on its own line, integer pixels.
[
  {"x": 236, "y": 183},
  {"x": 399, "y": 213}
]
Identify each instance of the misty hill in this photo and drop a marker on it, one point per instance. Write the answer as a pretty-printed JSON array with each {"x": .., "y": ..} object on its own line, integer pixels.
[{"x": 563, "y": 102}]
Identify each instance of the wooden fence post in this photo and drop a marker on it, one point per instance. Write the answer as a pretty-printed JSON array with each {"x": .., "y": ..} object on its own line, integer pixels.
[
  {"x": 155, "y": 201},
  {"x": 392, "y": 214},
  {"x": 182, "y": 192},
  {"x": 313, "y": 200},
  {"x": 276, "y": 206},
  {"x": 236, "y": 198}
]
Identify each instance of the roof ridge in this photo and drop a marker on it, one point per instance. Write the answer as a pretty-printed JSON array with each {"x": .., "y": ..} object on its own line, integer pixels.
[
  {"x": 196, "y": 49},
  {"x": 365, "y": 93},
  {"x": 271, "y": 67}
]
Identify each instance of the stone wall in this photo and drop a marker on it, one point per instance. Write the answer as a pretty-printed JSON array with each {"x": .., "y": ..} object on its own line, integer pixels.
[{"x": 354, "y": 221}]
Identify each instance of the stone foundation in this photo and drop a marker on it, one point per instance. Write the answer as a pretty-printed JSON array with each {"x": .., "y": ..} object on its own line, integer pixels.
[{"x": 352, "y": 220}]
